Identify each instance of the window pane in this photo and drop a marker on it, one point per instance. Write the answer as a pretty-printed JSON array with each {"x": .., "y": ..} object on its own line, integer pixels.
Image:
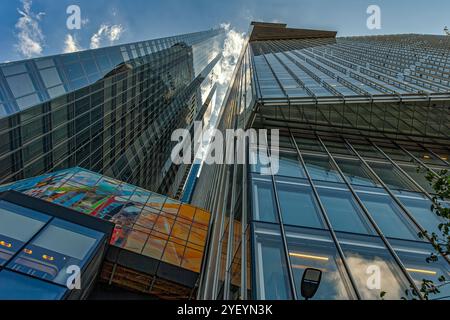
[
  {"x": 74, "y": 71},
  {"x": 14, "y": 286},
  {"x": 51, "y": 77},
  {"x": 420, "y": 208},
  {"x": 298, "y": 205},
  {"x": 259, "y": 160},
  {"x": 272, "y": 282},
  {"x": 309, "y": 144},
  {"x": 60, "y": 245},
  {"x": 414, "y": 257},
  {"x": 14, "y": 69},
  {"x": 419, "y": 177},
  {"x": 18, "y": 225},
  {"x": 290, "y": 166},
  {"x": 319, "y": 252},
  {"x": 391, "y": 176},
  {"x": 343, "y": 210},
  {"x": 90, "y": 67},
  {"x": 355, "y": 172},
  {"x": 264, "y": 206},
  {"x": 21, "y": 85},
  {"x": 365, "y": 256},
  {"x": 321, "y": 169},
  {"x": 388, "y": 216}
]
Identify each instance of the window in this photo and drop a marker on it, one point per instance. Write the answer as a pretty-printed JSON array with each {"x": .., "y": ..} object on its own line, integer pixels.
[
  {"x": 27, "y": 288},
  {"x": 264, "y": 206},
  {"x": 28, "y": 101},
  {"x": 290, "y": 166},
  {"x": 414, "y": 256},
  {"x": 355, "y": 172},
  {"x": 309, "y": 144},
  {"x": 388, "y": 216},
  {"x": 272, "y": 281},
  {"x": 419, "y": 177},
  {"x": 60, "y": 245},
  {"x": 391, "y": 176},
  {"x": 420, "y": 209},
  {"x": 90, "y": 67},
  {"x": 56, "y": 91},
  {"x": 298, "y": 205},
  {"x": 21, "y": 85},
  {"x": 51, "y": 77},
  {"x": 74, "y": 71},
  {"x": 259, "y": 160},
  {"x": 18, "y": 225},
  {"x": 320, "y": 168},
  {"x": 13, "y": 69},
  {"x": 365, "y": 256},
  {"x": 344, "y": 212},
  {"x": 315, "y": 249}
]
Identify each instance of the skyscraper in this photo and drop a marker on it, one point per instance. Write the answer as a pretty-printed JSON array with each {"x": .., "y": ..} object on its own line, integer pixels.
[
  {"x": 361, "y": 120},
  {"x": 110, "y": 110}
]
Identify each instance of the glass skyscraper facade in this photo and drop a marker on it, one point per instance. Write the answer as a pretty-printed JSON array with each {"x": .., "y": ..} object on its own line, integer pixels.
[
  {"x": 361, "y": 121},
  {"x": 111, "y": 110}
]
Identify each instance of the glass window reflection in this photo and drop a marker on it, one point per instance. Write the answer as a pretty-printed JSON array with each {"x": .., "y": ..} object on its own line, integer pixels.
[
  {"x": 367, "y": 258},
  {"x": 60, "y": 245},
  {"x": 355, "y": 172},
  {"x": 321, "y": 169},
  {"x": 298, "y": 204},
  {"x": 420, "y": 208},
  {"x": 391, "y": 176},
  {"x": 290, "y": 166},
  {"x": 315, "y": 249},
  {"x": 344, "y": 212},
  {"x": 271, "y": 265},
  {"x": 264, "y": 205},
  {"x": 18, "y": 225},
  {"x": 388, "y": 216},
  {"x": 414, "y": 256},
  {"x": 14, "y": 286}
]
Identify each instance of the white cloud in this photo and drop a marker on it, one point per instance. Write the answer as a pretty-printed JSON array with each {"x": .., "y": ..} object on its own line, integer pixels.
[
  {"x": 106, "y": 32},
  {"x": 223, "y": 72},
  {"x": 71, "y": 44},
  {"x": 29, "y": 33}
]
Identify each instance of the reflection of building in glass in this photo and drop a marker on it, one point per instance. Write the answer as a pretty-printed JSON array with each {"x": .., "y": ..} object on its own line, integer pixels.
[
  {"x": 110, "y": 110},
  {"x": 357, "y": 117},
  {"x": 154, "y": 236}
]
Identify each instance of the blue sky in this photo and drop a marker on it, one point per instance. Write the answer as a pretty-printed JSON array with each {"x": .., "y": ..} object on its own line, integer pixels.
[{"x": 147, "y": 19}]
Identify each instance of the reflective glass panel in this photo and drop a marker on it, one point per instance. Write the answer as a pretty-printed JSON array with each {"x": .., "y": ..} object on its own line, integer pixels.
[
  {"x": 373, "y": 268},
  {"x": 388, "y": 216},
  {"x": 344, "y": 212},
  {"x": 60, "y": 245},
  {"x": 290, "y": 166},
  {"x": 315, "y": 249},
  {"x": 272, "y": 282},
  {"x": 321, "y": 169},
  {"x": 27, "y": 288},
  {"x": 17, "y": 226},
  {"x": 298, "y": 205},
  {"x": 355, "y": 172},
  {"x": 264, "y": 205}
]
